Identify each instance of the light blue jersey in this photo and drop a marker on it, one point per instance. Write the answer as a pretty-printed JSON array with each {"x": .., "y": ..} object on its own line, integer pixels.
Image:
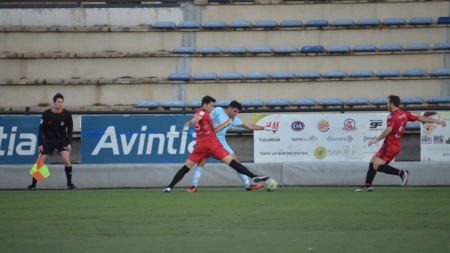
[{"x": 222, "y": 122}]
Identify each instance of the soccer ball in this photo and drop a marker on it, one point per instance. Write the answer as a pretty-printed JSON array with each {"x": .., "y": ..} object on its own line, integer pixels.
[{"x": 271, "y": 185}]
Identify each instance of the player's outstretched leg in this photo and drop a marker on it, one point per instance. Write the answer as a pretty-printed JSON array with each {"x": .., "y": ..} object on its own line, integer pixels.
[
  {"x": 243, "y": 170},
  {"x": 247, "y": 184},
  {"x": 178, "y": 176},
  {"x": 367, "y": 187},
  {"x": 403, "y": 174}
]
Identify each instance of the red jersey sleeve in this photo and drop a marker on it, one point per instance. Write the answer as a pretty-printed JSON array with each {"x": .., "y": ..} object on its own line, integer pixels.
[
  {"x": 391, "y": 119},
  {"x": 412, "y": 117}
]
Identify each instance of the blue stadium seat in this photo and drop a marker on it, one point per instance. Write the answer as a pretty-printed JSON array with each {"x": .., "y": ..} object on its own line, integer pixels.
[
  {"x": 240, "y": 24},
  {"x": 223, "y": 103},
  {"x": 417, "y": 47},
  {"x": 312, "y": 49},
  {"x": 257, "y": 76},
  {"x": 195, "y": 104},
  {"x": 316, "y": 23},
  {"x": 304, "y": 102},
  {"x": 394, "y": 21},
  {"x": 278, "y": 102},
  {"x": 361, "y": 73},
  {"x": 330, "y": 102},
  {"x": 215, "y": 24},
  {"x": 286, "y": 50},
  {"x": 179, "y": 77},
  {"x": 388, "y": 73},
  {"x": 266, "y": 24},
  {"x": 342, "y": 22},
  {"x": 147, "y": 104},
  {"x": 414, "y": 72},
  {"x": 205, "y": 76},
  {"x": 260, "y": 50},
  {"x": 219, "y": 1},
  {"x": 441, "y": 46},
  {"x": 379, "y": 101},
  {"x": 235, "y": 50},
  {"x": 164, "y": 25},
  {"x": 368, "y": 22},
  {"x": 364, "y": 48},
  {"x": 412, "y": 126},
  {"x": 190, "y": 25},
  {"x": 283, "y": 75},
  {"x": 357, "y": 101},
  {"x": 335, "y": 74},
  {"x": 421, "y": 21},
  {"x": 443, "y": 20},
  {"x": 291, "y": 23},
  {"x": 309, "y": 75},
  {"x": 391, "y": 47},
  {"x": 173, "y": 104},
  {"x": 252, "y": 103},
  {"x": 438, "y": 99},
  {"x": 338, "y": 49},
  {"x": 411, "y": 100},
  {"x": 440, "y": 72},
  {"x": 209, "y": 50},
  {"x": 184, "y": 50},
  {"x": 231, "y": 76},
  {"x": 243, "y": 0}
]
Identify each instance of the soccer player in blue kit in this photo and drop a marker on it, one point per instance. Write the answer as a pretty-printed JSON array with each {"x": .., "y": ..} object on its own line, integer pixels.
[{"x": 224, "y": 119}]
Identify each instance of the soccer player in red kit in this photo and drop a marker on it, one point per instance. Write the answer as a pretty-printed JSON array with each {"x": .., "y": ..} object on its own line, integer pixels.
[
  {"x": 396, "y": 124},
  {"x": 207, "y": 144}
]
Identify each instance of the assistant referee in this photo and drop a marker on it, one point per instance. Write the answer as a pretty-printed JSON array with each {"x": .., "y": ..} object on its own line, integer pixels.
[{"x": 55, "y": 131}]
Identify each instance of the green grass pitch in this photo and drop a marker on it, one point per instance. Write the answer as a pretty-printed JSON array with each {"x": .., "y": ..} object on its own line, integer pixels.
[{"x": 293, "y": 219}]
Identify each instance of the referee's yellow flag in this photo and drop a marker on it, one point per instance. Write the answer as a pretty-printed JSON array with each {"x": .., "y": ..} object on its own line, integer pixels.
[{"x": 40, "y": 170}]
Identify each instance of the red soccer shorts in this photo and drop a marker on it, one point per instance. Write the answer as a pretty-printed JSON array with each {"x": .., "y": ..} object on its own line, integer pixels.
[
  {"x": 387, "y": 153},
  {"x": 214, "y": 150}
]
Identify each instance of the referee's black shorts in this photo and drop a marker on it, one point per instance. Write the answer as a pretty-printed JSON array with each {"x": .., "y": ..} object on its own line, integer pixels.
[{"x": 50, "y": 145}]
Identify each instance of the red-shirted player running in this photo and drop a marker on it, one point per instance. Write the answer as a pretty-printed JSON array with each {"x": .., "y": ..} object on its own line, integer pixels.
[
  {"x": 396, "y": 124},
  {"x": 208, "y": 145}
]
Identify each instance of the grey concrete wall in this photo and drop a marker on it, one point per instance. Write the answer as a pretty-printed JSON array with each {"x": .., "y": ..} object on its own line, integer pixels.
[{"x": 286, "y": 174}]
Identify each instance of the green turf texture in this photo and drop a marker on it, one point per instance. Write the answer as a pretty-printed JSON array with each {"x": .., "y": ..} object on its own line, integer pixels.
[{"x": 294, "y": 219}]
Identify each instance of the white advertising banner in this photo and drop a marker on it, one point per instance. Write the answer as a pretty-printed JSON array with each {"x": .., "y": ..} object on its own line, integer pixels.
[
  {"x": 435, "y": 139},
  {"x": 318, "y": 137}
]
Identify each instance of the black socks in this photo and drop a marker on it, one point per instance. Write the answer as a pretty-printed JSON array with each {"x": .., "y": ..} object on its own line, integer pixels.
[
  {"x": 389, "y": 170},
  {"x": 179, "y": 176},
  {"x": 241, "y": 169},
  {"x": 68, "y": 171},
  {"x": 371, "y": 173}
]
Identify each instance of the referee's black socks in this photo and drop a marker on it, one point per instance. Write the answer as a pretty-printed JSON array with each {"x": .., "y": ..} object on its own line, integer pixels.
[
  {"x": 241, "y": 169},
  {"x": 68, "y": 171},
  {"x": 389, "y": 170}
]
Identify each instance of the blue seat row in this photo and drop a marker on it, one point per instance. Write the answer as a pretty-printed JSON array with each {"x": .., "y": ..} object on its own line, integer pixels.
[
  {"x": 308, "y": 75},
  {"x": 312, "y": 49},
  {"x": 299, "y": 23},
  {"x": 296, "y": 102}
]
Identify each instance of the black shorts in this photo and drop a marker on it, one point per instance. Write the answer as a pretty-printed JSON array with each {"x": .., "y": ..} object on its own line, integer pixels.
[{"x": 50, "y": 145}]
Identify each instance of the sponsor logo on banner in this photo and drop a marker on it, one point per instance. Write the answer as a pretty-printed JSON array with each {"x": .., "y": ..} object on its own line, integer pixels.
[
  {"x": 310, "y": 138},
  {"x": 349, "y": 125},
  {"x": 370, "y": 138},
  {"x": 320, "y": 153},
  {"x": 269, "y": 139},
  {"x": 376, "y": 125},
  {"x": 348, "y": 138},
  {"x": 273, "y": 125},
  {"x": 297, "y": 126},
  {"x": 340, "y": 152},
  {"x": 323, "y": 126}
]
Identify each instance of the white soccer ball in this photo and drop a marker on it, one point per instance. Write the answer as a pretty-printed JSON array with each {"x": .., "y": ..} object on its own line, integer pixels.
[{"x": 270, "y": 184}]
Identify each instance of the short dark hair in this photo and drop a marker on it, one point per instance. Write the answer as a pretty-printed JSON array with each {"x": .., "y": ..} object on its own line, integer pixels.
[
  {"x": 236, "y": 104},
  {"x": 207, "y": 100},
  {"x": 58, "y": 95},
  {"x": 393, "y": 99}
]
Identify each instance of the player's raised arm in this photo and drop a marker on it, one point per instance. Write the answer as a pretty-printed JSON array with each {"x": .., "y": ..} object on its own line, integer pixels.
[
  {"x": 256, "y": 127},
  {"x": 430, "y": 120},
  {"x": 383, "y": 135},
  {"x": 193, "y": 121}
]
